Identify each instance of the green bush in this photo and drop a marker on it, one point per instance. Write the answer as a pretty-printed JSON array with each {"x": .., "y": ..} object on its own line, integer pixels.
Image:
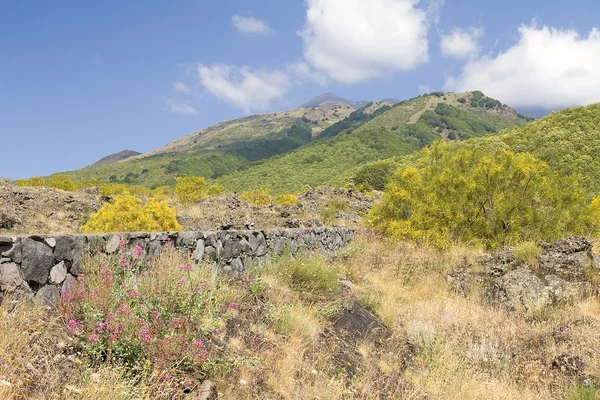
[{"x": 488, "y": 198}]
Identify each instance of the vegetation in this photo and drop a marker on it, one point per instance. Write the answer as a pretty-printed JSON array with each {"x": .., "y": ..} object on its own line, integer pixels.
[
  {"x": 191, "y": 189},
  {"x": 286, "y": 199},
  {"x": 58, "y": 181},
  {"x": 401, "y": 130},
  {"x": 127, "y": 214},
  {"x": 287, "y": 330},
  {"x": 257, "y": 197},
  {"x": 473, "y": 197}
]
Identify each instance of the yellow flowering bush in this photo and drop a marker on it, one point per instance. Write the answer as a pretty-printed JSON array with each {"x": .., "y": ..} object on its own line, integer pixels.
[
  {"x": 126, "y": 213},
  {"x": 257, "y": 197},
  {"x": 286, "y": 200}
]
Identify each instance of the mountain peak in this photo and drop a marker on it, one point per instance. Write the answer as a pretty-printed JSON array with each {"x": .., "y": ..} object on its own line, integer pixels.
[
  {"x": 122, "y": 155},
  {"x": 329, "y": 99}
]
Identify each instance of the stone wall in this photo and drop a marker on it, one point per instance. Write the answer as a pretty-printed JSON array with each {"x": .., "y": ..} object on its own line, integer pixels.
[{"x": 37, "y": 267}]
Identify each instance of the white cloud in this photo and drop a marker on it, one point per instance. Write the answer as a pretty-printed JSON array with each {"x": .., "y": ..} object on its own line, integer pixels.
[
  {"x": 547, "y": 67},
  {"x": 180, "y": 107},
  {"x": 249, "y": 25},
  {"x": 304, "y": 73},
  {"x": 243, "y": 87},
  {"x": 354, "y": 40},
  {"x": 181, "y": 87},
  {"x": 424, "y": 89},
  {"x": 460, "y": 43}
]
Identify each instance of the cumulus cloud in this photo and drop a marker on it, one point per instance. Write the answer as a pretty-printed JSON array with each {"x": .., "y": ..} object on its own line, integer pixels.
[
  {"x": 547, "y": 67},
  {"x": 180, "y": 107},
  {"x": 354, "y": 40},
  {"x": 181, "y": 87},
  {"x": 243, "y": 87},
  {"x": 460, "y": 43},
  {"x": 249, "y": 25}
]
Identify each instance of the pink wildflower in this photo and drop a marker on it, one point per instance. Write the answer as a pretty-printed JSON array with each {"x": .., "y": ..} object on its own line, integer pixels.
[
  {"x": 73, "y": 326},
  {"x": 110, "y": 315},
  {"x": 132, "y": 293},
  {"x": 122, "y": 244},
  {"x": 144, "y": 335},
  {"x": 94, "y": 338},
  {"x": 187, "y": 267},
  {"x": 124, "y": 263},
  {"x": 181, "y": 282},
  {"x": 137, "y": 252},
  {"x": 155, "y": 315}
]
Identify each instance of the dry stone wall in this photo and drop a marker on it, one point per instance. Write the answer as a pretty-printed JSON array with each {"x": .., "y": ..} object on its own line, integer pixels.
[{"x": 39, "y": 267}]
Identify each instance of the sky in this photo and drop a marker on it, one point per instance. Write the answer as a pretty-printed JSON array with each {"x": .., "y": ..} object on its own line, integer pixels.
[{"x": 81, "y": 80}]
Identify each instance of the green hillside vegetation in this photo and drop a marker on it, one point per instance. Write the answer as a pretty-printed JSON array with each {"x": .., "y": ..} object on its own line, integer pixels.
[
  {"x": 219, "y": 149},
  {"x": 485, "y": 198},
  {"x": 290, "y": 150},
  {"x": 569, "y": 141},
  {"x": 392, "y": 133}
]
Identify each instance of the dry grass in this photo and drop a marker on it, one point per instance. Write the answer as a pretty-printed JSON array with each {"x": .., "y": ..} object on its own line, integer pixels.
[{"x": 286, "y": 342}]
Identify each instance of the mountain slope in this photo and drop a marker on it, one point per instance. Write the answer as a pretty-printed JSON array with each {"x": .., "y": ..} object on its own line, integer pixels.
[
  {"x": 310, "y": 146},
  {"x": 399, "y": 130},
  {"x": 568, "y": 140},
  {"x": 330, "y": 99},
  {"x": 112, "y": 158},
  {"x": 221, "y": 148}
]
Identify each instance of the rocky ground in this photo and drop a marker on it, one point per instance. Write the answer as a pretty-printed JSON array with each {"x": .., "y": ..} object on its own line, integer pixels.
[{"x": 44, "y": 210}]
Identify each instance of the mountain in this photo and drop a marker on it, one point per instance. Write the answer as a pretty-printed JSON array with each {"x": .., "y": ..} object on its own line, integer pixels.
[
  {"x": 310, "y": 146},
  {"x": 122, "y": 155},
  {"x": 329, "y": 99},
  {"x": 568, "y": 140},
  {"x": 388, "y": 131}
]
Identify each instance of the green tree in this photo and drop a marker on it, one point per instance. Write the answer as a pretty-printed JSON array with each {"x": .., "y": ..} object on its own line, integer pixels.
[{"x": 490, "y": 199}]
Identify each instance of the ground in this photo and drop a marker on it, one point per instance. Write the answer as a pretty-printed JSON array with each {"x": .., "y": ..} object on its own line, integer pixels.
[
  {"x": 382, "y": 320},
  {"x": 25, "y": 210}
]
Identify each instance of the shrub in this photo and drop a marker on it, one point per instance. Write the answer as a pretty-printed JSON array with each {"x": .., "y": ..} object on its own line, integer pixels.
[
  {"x": 257, "y": 197},
  {"x": 150, "y": 322},
  {"x": 492, "y": 199},
  {"x": 286, "y": 200},
  {"x": 61, "y": 181},
  {"x": 127, "y": 214},
  {"x": 34, "y": 181},
  {"x": 191, "y": 189},
  {"x": 215, "y": 190}
]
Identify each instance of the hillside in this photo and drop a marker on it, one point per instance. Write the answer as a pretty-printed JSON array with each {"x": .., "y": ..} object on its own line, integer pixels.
[
  {"x": 329, "y": 99},
  {"x": 569, "y": 141},
  {"x": 389, "y": 131},
  {"x": 112, "y": 158},
  {"x": 221, "y": 148},
  {"x": 305, "y": 146}
]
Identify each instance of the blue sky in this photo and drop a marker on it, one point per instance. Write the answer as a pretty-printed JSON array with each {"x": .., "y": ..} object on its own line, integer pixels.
[{"x": 80, "y": 80}]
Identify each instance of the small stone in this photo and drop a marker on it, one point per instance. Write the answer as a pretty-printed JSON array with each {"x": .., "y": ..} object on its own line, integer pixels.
[
  {"x": 237, "y": 265},
  {"x": 50, "y": 242},
  {"x": 199, "y": 253},
  {"x": 347, "y": 285},
  {"x": 10, "y": 276},
  {"x": 207, "y": 391},
  {"x": 58, "y": 273},
  {"x": 112, "y": 244},
  {"x": 47, "y": 296}
]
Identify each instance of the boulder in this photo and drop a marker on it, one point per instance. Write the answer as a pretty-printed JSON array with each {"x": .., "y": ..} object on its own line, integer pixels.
[
  {"x": 47, "y": 296},
  {"x": 58, "y": 273},
  {"x": 37, "y": 261},
  {"x": 199, "y": 252},
  {"x": 10, "y": 277},
  {"x": 518, "y": 289}
]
